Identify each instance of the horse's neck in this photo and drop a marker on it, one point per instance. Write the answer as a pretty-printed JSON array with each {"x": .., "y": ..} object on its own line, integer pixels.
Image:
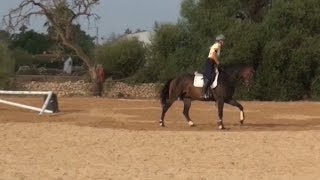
[{"x": 233, "y": 75}]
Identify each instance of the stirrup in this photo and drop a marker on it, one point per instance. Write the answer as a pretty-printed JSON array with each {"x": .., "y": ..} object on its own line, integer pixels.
[{"x": 205, "y": 96}]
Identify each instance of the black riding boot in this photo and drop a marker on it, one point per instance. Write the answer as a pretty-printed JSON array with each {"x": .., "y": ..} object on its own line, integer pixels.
[{"x": 206, "y": 84}]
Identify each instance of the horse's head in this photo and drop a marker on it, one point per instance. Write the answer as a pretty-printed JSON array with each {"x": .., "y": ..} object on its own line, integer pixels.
[{"x": 247, "y": 75}]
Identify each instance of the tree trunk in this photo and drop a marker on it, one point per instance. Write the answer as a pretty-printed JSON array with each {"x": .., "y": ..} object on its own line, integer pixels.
[
  {"x": 93, "y": 75},
  {"x": 88, "y": 61}
]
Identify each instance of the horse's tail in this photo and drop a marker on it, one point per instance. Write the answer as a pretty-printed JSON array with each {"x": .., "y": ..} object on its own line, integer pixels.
[{"x": 164, "y": 94}]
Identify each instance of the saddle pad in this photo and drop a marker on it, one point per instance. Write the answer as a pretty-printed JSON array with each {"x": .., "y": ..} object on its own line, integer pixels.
[{"x": 198, "y": 80}]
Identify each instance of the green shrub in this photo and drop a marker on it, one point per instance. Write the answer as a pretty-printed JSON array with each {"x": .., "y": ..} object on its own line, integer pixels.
[
  {"x": 123, "y": 58},
  {"x": 6, "y": 65}
]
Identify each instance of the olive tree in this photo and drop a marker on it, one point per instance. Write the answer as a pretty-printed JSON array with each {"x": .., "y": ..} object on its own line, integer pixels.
[{"x": 61, "y": 16}]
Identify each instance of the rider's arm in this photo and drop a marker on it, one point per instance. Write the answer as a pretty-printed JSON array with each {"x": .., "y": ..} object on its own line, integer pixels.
[{"x": 214, "y": 57}]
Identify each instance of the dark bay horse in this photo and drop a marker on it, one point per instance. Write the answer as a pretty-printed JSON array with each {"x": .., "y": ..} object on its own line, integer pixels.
[{"x": 182, "y": 87}]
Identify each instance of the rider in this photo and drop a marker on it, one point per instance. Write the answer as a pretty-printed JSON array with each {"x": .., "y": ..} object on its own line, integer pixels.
[{"x": 211, "y": 65}]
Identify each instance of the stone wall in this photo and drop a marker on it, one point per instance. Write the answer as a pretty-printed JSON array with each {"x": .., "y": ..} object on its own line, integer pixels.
[
  {"x": 119, "y": 90},
  {"x": 82, "y": 88}
]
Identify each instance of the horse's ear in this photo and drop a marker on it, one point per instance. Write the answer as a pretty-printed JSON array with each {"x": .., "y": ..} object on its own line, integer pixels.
[{"x": 255, "y": 66}]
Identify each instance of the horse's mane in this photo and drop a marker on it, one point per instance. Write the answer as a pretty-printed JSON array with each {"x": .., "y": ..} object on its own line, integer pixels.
[{"x": 235, "y": 67}]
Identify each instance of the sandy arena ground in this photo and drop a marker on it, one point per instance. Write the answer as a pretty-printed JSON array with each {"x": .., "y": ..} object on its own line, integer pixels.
[{"x": 120, "y": 139}]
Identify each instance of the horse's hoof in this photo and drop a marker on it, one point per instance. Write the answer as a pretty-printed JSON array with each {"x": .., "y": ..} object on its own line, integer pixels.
[
  {"x": 221, "y": 127},
  {"x": 241, "y": 122},
  {"x": 161, "y": 124},
  {"x": 191, "y": 124}
]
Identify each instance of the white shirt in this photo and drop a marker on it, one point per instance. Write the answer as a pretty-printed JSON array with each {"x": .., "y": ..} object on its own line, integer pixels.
[{"x": 215, "y": 48}]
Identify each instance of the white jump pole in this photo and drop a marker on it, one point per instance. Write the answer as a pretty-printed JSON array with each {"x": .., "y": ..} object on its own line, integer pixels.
[
  {"x": 46, "y": 103},
  {"x": 25, "y": 92},
  {"x": 42, "y": 110},
  {"x": 24, "y": 106}
]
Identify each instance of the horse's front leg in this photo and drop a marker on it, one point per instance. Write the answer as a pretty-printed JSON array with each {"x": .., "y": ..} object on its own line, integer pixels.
[
  {"x": 235, "y": 103},
  {"x": 220, "y": 103}
]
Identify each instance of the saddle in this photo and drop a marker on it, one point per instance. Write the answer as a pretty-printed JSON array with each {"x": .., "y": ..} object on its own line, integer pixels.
[{"x": 198, "y": 80}]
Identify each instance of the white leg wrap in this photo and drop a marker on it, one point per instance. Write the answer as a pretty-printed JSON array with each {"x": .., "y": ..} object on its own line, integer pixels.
[
  {"x": 161, "y": 122},
  {"x": 241, "y": 115}
]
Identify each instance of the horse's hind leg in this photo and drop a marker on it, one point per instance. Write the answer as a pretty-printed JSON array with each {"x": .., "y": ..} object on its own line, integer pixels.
[
  {"x": 235, "y": 103},
  {"x": 186, "y": 108},
  {"x": 220, "y": 103},
  {"x": 165, "y": 108}
]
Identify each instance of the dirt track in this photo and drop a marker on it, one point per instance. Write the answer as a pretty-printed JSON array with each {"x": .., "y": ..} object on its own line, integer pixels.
[{"x": 119, "y": 139}]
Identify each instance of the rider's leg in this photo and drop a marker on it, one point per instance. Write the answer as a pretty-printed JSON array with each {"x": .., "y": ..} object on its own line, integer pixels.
[
  {"x": 206, "y": 84},
  {"x": 207, "y": 78},
  {"x": 214, "y": 72}
]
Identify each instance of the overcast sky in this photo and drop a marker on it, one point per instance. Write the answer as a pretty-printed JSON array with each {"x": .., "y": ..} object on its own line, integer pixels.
[{"x": 118, "y": 15}]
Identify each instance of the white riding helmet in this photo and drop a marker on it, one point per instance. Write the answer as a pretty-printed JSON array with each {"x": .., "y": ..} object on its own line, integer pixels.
[{"x": 220, "y": 37}]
